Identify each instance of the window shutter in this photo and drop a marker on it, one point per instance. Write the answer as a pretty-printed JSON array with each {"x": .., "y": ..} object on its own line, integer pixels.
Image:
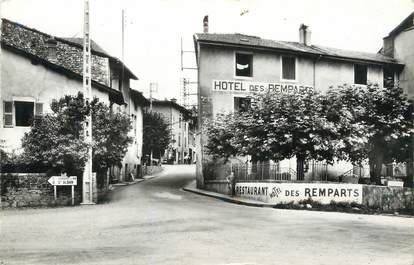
[
  {"x": 39, "y": 109},
  {"x": 8, "y": 113}
]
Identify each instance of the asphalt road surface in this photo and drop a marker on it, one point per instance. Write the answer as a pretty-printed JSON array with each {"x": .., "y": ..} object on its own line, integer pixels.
[{"x": 155, "y": 222}]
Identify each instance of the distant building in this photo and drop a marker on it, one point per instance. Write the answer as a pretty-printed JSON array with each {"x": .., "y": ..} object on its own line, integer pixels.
[
  {"x": 38, "y": 68},
  {"x": 399, "y": 44},
  {"x": 232, "y": 66},
  {"x": 178, "y": 118}
]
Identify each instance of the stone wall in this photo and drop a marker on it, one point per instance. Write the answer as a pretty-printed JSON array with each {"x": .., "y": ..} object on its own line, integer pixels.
[
  {"x": 388, "y": 198},
  {"x": 33, "y": 189}
]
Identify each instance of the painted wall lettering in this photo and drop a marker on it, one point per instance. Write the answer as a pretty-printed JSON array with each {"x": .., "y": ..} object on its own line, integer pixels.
[
  {"x": 259, "y": 87},
  {"x": 296, "y": 192}
]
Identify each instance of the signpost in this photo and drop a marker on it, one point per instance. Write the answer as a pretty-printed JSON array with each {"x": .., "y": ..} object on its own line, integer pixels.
[{"x": 64, "y": 180}]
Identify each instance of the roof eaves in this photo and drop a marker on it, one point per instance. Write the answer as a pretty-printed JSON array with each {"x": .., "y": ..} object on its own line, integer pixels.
[{"x": 295, "y": 51}]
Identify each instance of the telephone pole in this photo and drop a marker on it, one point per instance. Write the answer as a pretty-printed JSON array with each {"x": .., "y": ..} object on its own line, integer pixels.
[{"x": 87, "y": 182}]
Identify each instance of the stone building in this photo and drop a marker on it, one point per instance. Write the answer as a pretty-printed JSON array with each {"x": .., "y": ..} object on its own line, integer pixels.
[
  {"x": 231, "y": 66},
  {"x": 38, "y": 68},
  {"x": 178, "y": 119}
]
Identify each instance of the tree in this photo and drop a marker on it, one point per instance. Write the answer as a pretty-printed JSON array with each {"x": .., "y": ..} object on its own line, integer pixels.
[
  {"x": 56, "y": 140},
  {"x": 156, "y": 134},
  {"x": 277, "y": 127},
  {"x": 384, "y": 116}
]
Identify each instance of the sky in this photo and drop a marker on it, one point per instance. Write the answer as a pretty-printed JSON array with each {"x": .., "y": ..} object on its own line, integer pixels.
[{"x": 154, "y": 28}]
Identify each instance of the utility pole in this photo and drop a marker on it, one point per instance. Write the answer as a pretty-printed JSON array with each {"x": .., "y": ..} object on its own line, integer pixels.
[
  {"x": 153, "y": 88},
  {"x": 87, "y": 182}
]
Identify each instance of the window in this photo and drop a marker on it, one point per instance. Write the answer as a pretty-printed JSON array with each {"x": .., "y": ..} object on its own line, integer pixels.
[
  {"x": 388, "y": 77},
  {"x": 244, "y": 64},
  {"x": 360, "y": 74},
  {"x": 288, "y": 68},
  {"x": 20, "y": 113},
  {"x": 241, "y": 104},
  {"x": 179, "y": 140},
  {"x": 24, "y": 113}
]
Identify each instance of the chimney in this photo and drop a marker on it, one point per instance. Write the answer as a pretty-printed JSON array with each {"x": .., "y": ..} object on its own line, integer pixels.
[
  {"x": 205, "y": 24},
  {"x": 304, "y": 35},
  {"x": 51, "y": 45},
  {"x": 173, "y": 100}
]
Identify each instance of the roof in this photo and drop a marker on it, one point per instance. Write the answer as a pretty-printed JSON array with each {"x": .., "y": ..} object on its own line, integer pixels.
[
  {"x": 94, "y": 46},
  {"x": 69, "y": 50},
  {"x": 406, "y": 23},
  {"x": 114, "y": 95},
  {"x": 187, "y": 113},
  {"x": 98, "y": 50},
  {"x": 139, "y": 98},
  {"x": 248, "y": 41}
]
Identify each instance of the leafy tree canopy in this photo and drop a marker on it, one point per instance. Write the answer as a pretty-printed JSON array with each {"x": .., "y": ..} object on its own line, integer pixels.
[
  {"x": 56, "y": 140},
  {"x": 156, "y": 135}
]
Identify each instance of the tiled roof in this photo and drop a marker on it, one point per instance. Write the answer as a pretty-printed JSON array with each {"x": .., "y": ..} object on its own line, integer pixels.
[
  {"x": 99, "y": 50},
  {"x": 173, "y": 104},
  {"x": 295, "y": 47},
  {"x": 139, "y": 98},
  {"x": 94, "y": 46}
]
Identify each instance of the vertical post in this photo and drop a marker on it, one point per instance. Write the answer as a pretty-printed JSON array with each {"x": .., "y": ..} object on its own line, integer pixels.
[
  {"x": 73, "y": 195},
  {"x": 87, "y": 79},
  {"x": 55, "y": 192}
]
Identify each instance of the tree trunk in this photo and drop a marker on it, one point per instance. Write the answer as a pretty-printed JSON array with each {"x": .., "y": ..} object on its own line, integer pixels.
[
  {"x": 300, "y": 167},
  {"x": 376, "y": 160},
  {"x": 409, "y": 181},
  {"x": 254, "y": 165}
]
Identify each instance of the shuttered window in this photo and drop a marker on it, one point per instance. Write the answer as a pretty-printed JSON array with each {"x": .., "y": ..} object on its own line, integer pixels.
[
  {"x": 39, "y": 109},
  {"x": 8, "y": 113},
  {"x": 288, "y": 68}
]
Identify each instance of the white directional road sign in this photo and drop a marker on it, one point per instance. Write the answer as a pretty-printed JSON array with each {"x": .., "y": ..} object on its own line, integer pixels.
[{"x": 63, "y": 181}]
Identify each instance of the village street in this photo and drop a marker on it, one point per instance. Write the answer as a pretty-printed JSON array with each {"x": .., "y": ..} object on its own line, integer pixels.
[{"x": 156, "y": 222}]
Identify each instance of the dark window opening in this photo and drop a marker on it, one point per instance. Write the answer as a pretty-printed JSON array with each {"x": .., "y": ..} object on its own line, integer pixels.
[
  {"x": 360, "y": 74},
  {"x": 389, "y": 77},
  {"x": 242, "y": 104},
  {"x": 24, "y": 113},
  {"x": 244, "y": 64},
  {"x": 289, "y": 68}
]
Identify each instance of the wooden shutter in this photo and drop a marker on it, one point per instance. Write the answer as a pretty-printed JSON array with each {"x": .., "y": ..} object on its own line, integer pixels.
[
  {"x": 38, "y": 109},
  {"x": 8, "y": 113}
]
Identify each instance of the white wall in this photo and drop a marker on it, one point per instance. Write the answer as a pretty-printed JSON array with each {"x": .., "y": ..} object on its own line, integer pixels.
[{"x": 20, "y": 78}]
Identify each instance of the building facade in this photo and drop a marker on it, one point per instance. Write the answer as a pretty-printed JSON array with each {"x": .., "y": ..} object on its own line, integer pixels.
[
  {"x": 38, "y": 68},
  {"x": 179, "y": 121},
  {"x": 232, "y": 66},
  {"x": 399, "y": 45}
]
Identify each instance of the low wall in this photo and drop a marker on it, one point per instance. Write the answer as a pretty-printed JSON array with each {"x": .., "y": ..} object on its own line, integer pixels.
[
  {"x": 384, "y": 198},
  {"x": 33, "y": 189},
  {"x": 219, "y": 186}
]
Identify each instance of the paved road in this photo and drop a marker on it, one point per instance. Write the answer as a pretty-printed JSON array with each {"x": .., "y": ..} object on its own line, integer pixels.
[{"x": 155, "y": 222}]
